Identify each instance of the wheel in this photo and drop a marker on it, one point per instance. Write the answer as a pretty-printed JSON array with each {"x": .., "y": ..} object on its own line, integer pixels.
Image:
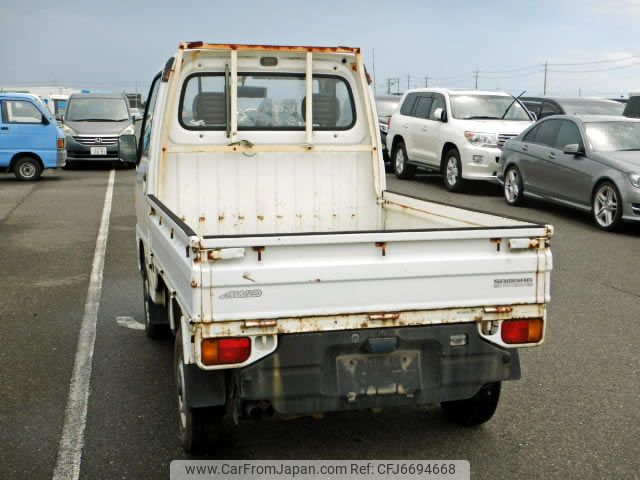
[
  {"x": 27, "y": 169},
  {"x": 453, "y": 171},
  {"x": 607, "y": 206},
  {"x": 401, "y": 168},
  {"x": 156, "y": 319},
  {"x": 513, "y": 189},
  {"x": 200, "y": 428},
  {"x": 475, "y": 410}
]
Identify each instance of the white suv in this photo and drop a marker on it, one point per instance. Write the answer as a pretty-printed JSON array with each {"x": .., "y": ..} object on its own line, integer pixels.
[{"x": 459, "y": 133}]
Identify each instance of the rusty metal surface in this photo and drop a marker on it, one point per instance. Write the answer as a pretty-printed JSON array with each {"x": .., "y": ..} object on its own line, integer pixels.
[
  {"x": 367, "y": 320},
  {"x": 273, "y": 48}
]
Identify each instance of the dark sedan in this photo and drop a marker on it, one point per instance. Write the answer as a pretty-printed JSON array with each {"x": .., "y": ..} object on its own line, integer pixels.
[
  {"x": 93, "y": 123},
  {"x": 547, "y": 106},
  {"x": 591, "y": 163}
]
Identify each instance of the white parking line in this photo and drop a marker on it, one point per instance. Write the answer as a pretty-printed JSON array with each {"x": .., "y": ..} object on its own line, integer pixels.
[
  {"x": 129, "y": 322},
  {"x": 75, "y": 415}
]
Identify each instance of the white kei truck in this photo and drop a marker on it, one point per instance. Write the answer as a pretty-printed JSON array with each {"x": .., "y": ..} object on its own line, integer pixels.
[{"x": 293, "y": 281}]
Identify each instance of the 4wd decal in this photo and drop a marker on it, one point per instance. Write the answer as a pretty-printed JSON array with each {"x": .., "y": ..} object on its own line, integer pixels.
[{"x": 241, "y": 294}]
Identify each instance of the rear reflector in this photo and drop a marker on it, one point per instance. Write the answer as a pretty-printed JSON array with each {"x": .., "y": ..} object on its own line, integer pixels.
[
  {"x": 522, "y": 331},
  {"x": 225, "y": 351}
]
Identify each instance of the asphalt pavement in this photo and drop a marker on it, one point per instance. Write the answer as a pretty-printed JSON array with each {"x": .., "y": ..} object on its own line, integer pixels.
[{"x": 574, "y": 414}]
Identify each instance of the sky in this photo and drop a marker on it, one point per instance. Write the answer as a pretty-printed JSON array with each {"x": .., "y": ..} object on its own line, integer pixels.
[{"x": 116, "y": 45}]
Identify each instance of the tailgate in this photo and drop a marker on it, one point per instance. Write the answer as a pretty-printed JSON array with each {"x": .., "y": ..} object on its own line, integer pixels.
[{"x": 289, "y": 276}]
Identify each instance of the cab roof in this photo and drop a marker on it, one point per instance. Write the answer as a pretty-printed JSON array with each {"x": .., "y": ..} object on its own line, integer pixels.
[
  {"x": 30, "y": 96},
  {"x": 454, "y": 91}
]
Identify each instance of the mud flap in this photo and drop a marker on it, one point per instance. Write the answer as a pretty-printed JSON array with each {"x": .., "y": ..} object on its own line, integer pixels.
[{"x": 204, "y": 388}]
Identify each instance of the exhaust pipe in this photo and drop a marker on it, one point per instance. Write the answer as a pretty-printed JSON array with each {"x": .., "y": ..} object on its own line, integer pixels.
[{"x": 255, "y": 410}]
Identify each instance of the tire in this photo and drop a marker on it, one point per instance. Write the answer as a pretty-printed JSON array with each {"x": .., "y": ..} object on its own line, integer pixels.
[
  {"x": 452, "y": 171},
  {"x": 606, "y": 206},
  {"x": 401, "y": 168},
  {"x": 200, "y": 428},
  {"x": 156, "y": 319},
  {"x": 475, "y": 410},
  {"x": 27, "y": 169},
  {"x": 513, "y": 188}
]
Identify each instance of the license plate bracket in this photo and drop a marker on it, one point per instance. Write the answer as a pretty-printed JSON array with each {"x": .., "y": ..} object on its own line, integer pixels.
[{"x": 397, "y": 373}]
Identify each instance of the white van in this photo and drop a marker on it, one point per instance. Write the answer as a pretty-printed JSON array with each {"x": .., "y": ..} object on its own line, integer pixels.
[{"x": 457, "y": 132}]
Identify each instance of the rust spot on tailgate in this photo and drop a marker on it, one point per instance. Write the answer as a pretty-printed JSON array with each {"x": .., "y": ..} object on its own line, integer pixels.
[{"x": 259, "y": 250}]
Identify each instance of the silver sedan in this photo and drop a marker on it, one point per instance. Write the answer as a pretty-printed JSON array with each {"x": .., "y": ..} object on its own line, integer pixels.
[{"x": 591, "y": 163}]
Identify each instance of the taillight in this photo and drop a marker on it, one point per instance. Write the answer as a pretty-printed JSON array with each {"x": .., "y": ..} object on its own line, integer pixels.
[
  {"x": 389, "y": 123},
  {"x": 60, "y": 143},
  {"x": 225, "y": 351},
  {"x": 522, "y": 331}
]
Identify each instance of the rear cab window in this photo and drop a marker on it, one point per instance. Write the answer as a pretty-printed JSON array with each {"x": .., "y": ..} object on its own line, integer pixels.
[{"x": 266, "y": 102}]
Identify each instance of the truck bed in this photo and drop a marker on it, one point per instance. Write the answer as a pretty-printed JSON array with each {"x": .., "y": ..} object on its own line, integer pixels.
[{"x": 430, "y": 256}]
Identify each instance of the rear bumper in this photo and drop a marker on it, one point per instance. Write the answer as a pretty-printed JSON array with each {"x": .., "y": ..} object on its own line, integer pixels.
[
  {"x": 336, "y": 370},
  {"x": 61, "y": 158}
]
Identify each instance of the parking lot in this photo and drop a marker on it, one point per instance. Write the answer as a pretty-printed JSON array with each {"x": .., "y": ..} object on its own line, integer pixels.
[{"x": 574, "y": 414}]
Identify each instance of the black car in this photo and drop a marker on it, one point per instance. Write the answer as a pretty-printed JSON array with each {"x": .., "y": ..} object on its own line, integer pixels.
[
  {"x": 632, "y": 109},
  {"x": 386, "y": 105},
  {"x": 547, "y": 106},
  {"x": 93, "y": 123}
]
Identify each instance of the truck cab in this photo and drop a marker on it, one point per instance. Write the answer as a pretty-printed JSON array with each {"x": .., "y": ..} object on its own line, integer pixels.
[{"x": 30, "y": 138}]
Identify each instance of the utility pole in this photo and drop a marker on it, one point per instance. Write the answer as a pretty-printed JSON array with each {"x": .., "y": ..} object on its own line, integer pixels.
[
  {"x": 397, "y": 84},
  {"x": 408, "y": 80},
  {"x": 579, "y": 91},
  {"x": 388, "y": 86},
  {"x": 546, "y": 66},
  {"x": 476, "y": 75},
  {"x": 426, "y": 81}
]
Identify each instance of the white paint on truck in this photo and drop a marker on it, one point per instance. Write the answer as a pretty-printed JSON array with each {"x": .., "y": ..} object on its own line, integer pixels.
[{"x": 261, "y": 215}]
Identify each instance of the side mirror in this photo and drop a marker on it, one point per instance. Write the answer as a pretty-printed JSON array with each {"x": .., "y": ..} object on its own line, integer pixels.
[
  {"x": 439, "y": 114},
  {"x": 573, "y": 149},
  {"x": 128, "y": 148}
]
